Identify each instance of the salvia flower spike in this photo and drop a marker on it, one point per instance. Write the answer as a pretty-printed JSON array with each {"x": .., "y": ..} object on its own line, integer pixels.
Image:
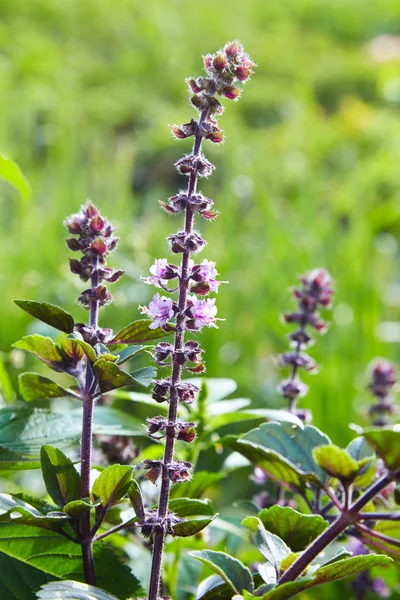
[
  {"x": 314, "y": 292},
  {"x": 192, "y": 310}
]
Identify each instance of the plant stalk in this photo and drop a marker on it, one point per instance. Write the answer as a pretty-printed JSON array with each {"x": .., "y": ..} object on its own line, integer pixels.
[
  {"x": 159, "y": 535},
  {"x": 334, "y": 530},
  {"x": 86, "y": 448}
]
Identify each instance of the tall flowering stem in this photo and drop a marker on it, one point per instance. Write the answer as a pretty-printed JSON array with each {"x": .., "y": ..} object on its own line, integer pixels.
[
  {"x": 94, "y": 240},
  {"x": 314, "y": 292},
  {"x": 383, "y": 380},
  {"x": 192, "y": 310}
]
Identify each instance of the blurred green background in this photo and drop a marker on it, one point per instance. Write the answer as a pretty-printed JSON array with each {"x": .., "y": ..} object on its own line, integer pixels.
[{"x": 309, "y": 175}]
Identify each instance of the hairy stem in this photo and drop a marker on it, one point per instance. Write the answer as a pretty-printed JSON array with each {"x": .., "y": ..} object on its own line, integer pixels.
[
  {"x": 334, "y": 530},
  {"x": 86, "y": 449},
  {"x": 159, "y": 536},
  {"x": 381, "y": 537}
]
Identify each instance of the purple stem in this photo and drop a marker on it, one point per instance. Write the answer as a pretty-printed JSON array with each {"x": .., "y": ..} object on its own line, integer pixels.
[
  {"x": 347, "y": 518},
  {"x": 159, "y": 536},
  {"x": 86, "y": 448}
]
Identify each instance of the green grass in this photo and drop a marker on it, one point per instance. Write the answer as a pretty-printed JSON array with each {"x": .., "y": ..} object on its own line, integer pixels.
[{"x": 309, "y": 175}]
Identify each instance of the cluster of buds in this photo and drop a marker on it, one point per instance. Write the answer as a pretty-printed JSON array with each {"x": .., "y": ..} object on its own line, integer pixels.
[
  {"x": 185, "y": 392},
  {"x": 157, "y": 428},
  {"x": 152, "y": 522},
  {"x": 178, "y": 470},
  {"x": 315, "y": 292},
  {"x": 197, "y": 203},
  {"x": 383, "y": 380},
  {"x": 94, "y": 241},
  {"x": 118, "y": 449}
]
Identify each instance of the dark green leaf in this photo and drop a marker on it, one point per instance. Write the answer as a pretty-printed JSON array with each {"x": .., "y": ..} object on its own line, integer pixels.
[
  {"x": 10, "y": 172},
  {"x": 62, "y": 481},
  {"x": 273, "y": 549},
  {"x": 296, "y": 529},
  {"x": 190, "y": 507},
  {"x": 386, "y": 443},
  {"x": 144, "y": 376},
  {"x": 72, "y": 590},
  {"x": 77, "y": 508},
  {"x": 11, "y": 507},
  {"x": 138, "y": 332},
  {"x": 214, "y": 588},
  {"x": 110, "y": 376},
  {"x": 135, "y": 497},
  {"x": 112, "y": 484},
  {"x": 48, "y": 313},
  {"x": 19, "y": 581},
  {"x": 33, "y": 386},
  {"x": 53, "y": 554},
  {"x": 230, "y": 569},
  {"x": 189, "y": 528}
]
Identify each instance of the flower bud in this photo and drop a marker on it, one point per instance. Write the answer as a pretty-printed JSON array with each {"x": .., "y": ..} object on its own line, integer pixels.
[
  {"x": 233, "y": 49},
  {"x": 219, "y": 62},
  {"x": 154, "y": 469},
  {"x": 96, "y": 224},
  {"x": 231, "y": 92},
  {"x": 73, "y": 244}
]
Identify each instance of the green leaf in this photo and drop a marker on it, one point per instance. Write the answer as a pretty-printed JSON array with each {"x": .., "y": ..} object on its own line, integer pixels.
[
  {"x": 10, "y": 172},
  {"x": 129, "y": 352},
  {"x": 138, "y": 332},
  {"x": 390, "y": 529},
  {"x": 44, "y": 348},
  {"x": 72, "y": 590},
  {"x": 24, "y": 429},
  {"x": 112, "y": 484},
  {"x": 294, "y": 528},
  {"x": 14, "y": 510},
  {"x": 326, "y": 574},
  {"x": 136, "y": 499},
  {"x": 338, "y": 463},
  {"x": 13, "y": 461},
  {"x": 77, "y": 508},
  {"x": 284, "y": 451},
  {"x": 110, "y": 376},
  {"x": 232, "y": 571},
  {"x": 62, "y": 481},
  {"x": 48, "y": 313},
  {"x": 53, "y": 554},
  {"x": 273, "y": 549},
  {"x": 33, "y": 386},
  {"x": 214, "y": 588},
  {"x": 190, "y": 507},
  {"x": 144, "y": 376},
  {"x": 386, "y": 443},
  {"x": 6, "y": 386},
  {"x": 19, "y": 581},
  {"x": 360, "y": 450}
]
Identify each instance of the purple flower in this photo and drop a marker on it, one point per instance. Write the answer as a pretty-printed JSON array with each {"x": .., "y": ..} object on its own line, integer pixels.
[
  {"x": 161, "y": 309},
  {"x": 201, "y": 313},
  {"x": 205, "y": 275},
  {"x": 161, "y": 272}
]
